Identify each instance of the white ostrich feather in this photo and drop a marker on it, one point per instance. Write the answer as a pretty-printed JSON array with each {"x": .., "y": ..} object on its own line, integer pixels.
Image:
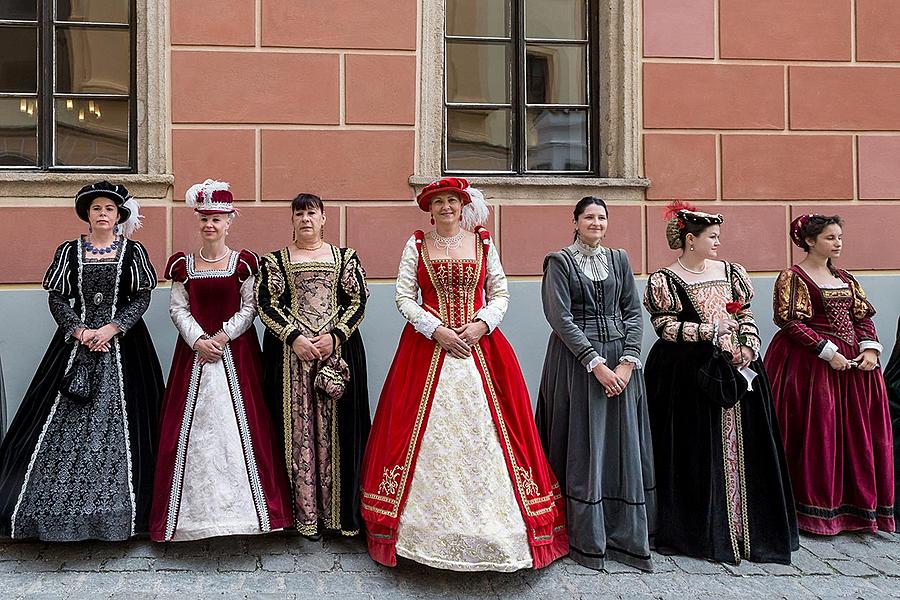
[
  {"x": 476, "y": 212},
  {"x": 133, "y": 222}
]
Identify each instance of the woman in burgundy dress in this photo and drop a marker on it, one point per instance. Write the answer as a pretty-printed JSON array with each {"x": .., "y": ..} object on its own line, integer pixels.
[
  {"x": 218, "y": 471},
  {"x": 829, "y": 390}
]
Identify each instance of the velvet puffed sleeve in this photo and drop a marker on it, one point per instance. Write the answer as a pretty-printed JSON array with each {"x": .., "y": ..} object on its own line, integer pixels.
[
  {"x": 142, "y": 277},
  {"x": 630, "y": 306},
  {"x": 664, "y": 305},
  {"x": 557, "y": 302},
  {"x": 407, "y": 291},
  {"x": 176, "y": 268},
  {"x": 496, "y": 286},
  {"x": 61, "y": 281},
  {"x": 862, "y": 312},
  {"x": 792, "y": 309},
  {"x": 247, "y": 265},
  {"x": 353, "y": 297},
  {"x": 271, "y": 299},
  {"x": 742, "y": 291}
]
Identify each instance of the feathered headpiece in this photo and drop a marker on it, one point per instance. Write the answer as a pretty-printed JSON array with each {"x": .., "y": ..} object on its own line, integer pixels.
[
  {"x": 475, "y": 209},
  {"x": 210, "y": 197},
  {"x": 129, "y": 209},
  {"x": 678, "y": 214}
]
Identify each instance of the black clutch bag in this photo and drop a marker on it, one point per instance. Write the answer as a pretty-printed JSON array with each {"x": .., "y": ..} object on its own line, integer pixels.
[
  {"x": 719, "y": 381},
  {"x": 79, "y": 383}
]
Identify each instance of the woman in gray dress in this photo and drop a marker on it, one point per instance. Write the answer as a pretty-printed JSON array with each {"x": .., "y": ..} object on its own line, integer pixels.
[{"x": 592, "y": 411}]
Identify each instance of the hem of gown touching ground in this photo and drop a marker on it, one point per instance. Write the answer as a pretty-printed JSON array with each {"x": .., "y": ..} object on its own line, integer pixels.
[
  {"x": 219, "y": 531},
  {"x": 843, "y": 524},
  {"x": 596, "y": 561},
  {"x": 449, "y": 565}
]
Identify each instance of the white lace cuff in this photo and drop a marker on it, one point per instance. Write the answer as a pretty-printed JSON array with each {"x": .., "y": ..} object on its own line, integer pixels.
[
  {"x": 426, "y": 324},
  {"x": 490, "y": 317},
  {"x": 630, "y": 359},
  {"x": 597, "y": 360},
  {"x": 871, "y": 345},
  {"x": 828, "y": 351}
]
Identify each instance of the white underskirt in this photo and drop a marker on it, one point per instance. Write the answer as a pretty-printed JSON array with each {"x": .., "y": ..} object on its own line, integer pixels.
[
  {"x": 216, "y": 498},
  {"x": 461, "y": 512}
]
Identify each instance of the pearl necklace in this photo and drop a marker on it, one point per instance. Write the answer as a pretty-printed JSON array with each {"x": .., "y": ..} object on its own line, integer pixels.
[
  {"x": 698, "y": 272},
  {"x": 448, "y": 243},
  {"x": 213, "y": 260}
]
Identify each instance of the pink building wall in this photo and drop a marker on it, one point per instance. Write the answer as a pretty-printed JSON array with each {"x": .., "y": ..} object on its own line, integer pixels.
[{"x": 758, "y": 110}]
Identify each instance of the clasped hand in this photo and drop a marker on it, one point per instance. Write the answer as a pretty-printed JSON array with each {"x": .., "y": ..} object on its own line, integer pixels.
[
  {"x": 319, "y": 347},
  {"x": 613, "y": 381},
  {"x": 97, "y": 340},
  {"x": 866, "y": 361},
  {"x": 458, "y": 342},
  {"x": 211, "y": 350}
]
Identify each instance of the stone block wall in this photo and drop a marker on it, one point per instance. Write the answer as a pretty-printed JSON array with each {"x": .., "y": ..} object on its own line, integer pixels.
[
  {"x": 770, "y": 108},
  {"x": 758, "y": 110}
]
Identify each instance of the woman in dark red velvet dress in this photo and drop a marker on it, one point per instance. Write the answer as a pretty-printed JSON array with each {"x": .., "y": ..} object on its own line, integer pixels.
[
  {"x": 218, "y": 471},
  {"x": 454, "y": 475},
  {"x": 829, "y": 390}
]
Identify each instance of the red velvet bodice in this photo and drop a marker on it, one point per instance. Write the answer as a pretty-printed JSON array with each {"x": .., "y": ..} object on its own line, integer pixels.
[
  {"x": 214, "y": 295},
  {"x": 453, "y": 289}
]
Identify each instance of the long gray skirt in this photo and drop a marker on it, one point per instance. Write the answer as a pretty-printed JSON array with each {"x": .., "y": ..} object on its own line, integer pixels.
[{"x": 601, "y": 451}]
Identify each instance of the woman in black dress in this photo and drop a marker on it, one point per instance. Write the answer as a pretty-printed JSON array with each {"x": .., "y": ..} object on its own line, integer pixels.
[
  {"x": 892, "y": 381},
  {"x": 76, "y": 467}
]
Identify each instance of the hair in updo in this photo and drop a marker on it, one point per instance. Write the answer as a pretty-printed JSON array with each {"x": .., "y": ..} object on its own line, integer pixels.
[
  {"x": 815, "y": 225},
  {"x": 583, "y": 205},
  {"x": 588, "y": 201},
  {"x": 306, "y": 201},
  {"x": 682, "y": 218}
]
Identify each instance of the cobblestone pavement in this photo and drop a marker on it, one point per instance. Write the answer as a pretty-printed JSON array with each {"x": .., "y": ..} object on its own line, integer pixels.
[{"x": 287, "y": 566}]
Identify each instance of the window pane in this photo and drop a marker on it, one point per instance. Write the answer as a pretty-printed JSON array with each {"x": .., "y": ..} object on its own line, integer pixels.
[
  {"x": 18, "y": 132},
  {"x": 91, "y": 133},
  {"x": 18, "y": 59},
  {"x": 557, "y": 140},
  {"x": 96, "y": 11},
  {"x": 478, "y": 140},
  {"x": 91, "y": 60},
  {"x": 19, "y": 10},
  {"x": 483, "y": 18},
  {"x": 555, "y": 19},
  {"x": 556, "y": 74},
  {"x": 477, "y": 72}
]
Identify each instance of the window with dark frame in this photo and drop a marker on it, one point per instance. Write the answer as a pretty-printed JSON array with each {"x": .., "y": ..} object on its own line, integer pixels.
[
  {"x": 67, "y": 85},
  {"x": 518, "y": 88}
]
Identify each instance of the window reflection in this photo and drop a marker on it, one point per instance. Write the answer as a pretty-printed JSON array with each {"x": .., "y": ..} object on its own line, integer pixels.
[
  {"x": 479, "y": 140},
  {"x": 93, "y": 11},
  {"x": 18, "y": 132},
  {"x": 18, "y": 59},
  {"x": 482, "y": 18},
  {"x": 92, "y": 60},
  {"x": 91, "y": 132},
  {"x": 478, "y": 72},
  {"x": 557, "y": 140},
  {"x": 555, "y": 74},
  {"x": 555, "y": 19}
]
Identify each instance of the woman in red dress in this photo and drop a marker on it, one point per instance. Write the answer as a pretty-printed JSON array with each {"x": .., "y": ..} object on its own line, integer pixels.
[
  {"x": 218, "y": 471},
  {"x": 829, "y": 390},
  {"x": 454, "y": 475}
]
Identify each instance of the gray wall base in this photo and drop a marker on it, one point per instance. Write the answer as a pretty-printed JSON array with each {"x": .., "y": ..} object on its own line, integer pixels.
[{"x": 26, "y": 328}]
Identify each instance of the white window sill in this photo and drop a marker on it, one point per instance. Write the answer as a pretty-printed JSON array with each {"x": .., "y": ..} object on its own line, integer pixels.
[
  {"x": 41, "y": 184},
  {"x": 549, "y": 187}
]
